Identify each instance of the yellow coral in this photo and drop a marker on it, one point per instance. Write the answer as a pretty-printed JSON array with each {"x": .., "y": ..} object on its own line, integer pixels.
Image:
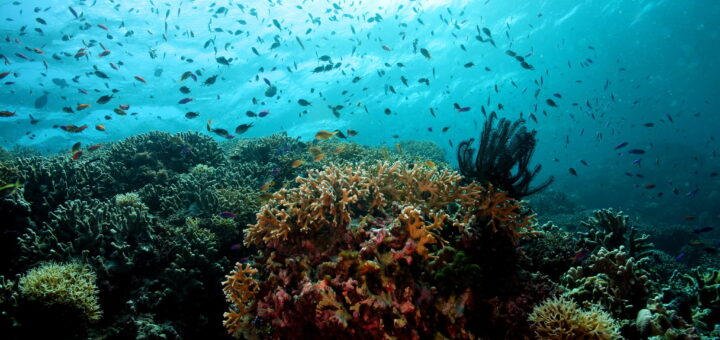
[
  {"x": 240, "y": 289},
  {"x": 71, "y": 285},
  {"x": 561, "y": 319},
  {"x": 417, "y": 229}
]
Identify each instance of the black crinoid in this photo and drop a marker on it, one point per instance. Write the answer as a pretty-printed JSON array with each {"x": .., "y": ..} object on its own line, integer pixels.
[{"x": 503, "y": 149}]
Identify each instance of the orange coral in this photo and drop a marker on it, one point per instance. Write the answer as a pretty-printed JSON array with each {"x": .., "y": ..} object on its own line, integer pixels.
[{"x": 239, "y": 289}]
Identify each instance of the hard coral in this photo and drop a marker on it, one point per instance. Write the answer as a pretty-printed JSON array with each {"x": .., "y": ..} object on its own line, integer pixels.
[
  {"x": 610, "y": 229},
  {"x": 71, "y": 285},
  {"x": 347, "y": 251},
  {"x": 561, "y": 319}
]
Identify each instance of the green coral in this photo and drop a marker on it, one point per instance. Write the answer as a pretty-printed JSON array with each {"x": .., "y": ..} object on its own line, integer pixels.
[
  {"x": 610, "y": 229},
  {"x": 72, "y": 285},
  {"x": 562, "y": 319}
]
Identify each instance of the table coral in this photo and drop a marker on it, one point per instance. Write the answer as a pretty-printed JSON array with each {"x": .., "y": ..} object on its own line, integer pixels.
[{"x": 346, "y": 253}]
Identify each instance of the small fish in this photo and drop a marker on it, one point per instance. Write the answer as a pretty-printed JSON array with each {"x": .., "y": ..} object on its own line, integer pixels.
[
  {"x": 621, "y": 145},
  {"x": 551, "y": 102},
  {"x": 584, "y": 162},
  {"x": 352, "y": 133},
  {"x": 94, "y": 147},
  {"x": 104, "y": 53},
  {"x": 303, "y": 102},
  {"x": 386, "y": 48},
  {"x": 648, "y": 124},
  {"x": 696, "y": 243},
  {"x": 104, "y": 99},
  {"x": 689, "y": 217},
  {"x": 100, "y": 127},
  {"x": 242, "y": 128},
  {"x": 185, "y": 100},
  {"x": 680, "y": 257},
  {"x": 267, "y": 186},
  {"x": 572, "y": 171},
  {"x": 9, "y": 189},
  {"x": 319, "y": 157},
  {"x": 324, "y": 134},
  {"x": 191, "y": 115},
  {"x": 120, "y": 111},
  {"x": 7, "y": 114},
  {"x": 637, "y": 151},
  {"x": 227, "y": 214},
  {"x": 103, "y": 27},
  {"x": 470, "y": 64},
  {"x": 296, "y": 163},
  {"x": 77, "y": 155},
  {"x": 263, "y": 113},
  {"x": 425, "y": 53},
  {"x": 81, "y": 107},
  {"x": 650, "y": 186},
  {"x": 141, "y": 79},
  {"x": 76, "y": 147},
  {"x": 702, "y": 230},
  {"x": 581, "y": 255},
  {"x": 124, "y": 107},
  {"x": 251, "y": 114},
  {"x": 430, "y": 164}
]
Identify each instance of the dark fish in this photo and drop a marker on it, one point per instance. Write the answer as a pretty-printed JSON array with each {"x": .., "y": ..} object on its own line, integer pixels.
[
  {"x": 470, "y": 64},
  {"x": 41, "y": 101},
  {"x": 680, "y": 257},
  {"x": 191, "y": 115},
  {"x": 185, "y": 100},
  {"x": 702, "y": 230},
  {"x": 584, "y": 162},
  {"x": 242, "y": 128},
  {"x": 104, "y": 99},
  {"x": 185, "y": 90},
  {"x": 209, "y": 81},
  {"x": 270, "y": 91},
  {"x": 223, "y": 61},
  {"x": 551, "y": 102},
  {"x": 621, "y": 145},
  {"x": 637, "y": 151},
  {"x": 251, "y": 114},
  {"x": 425, "y": 53},
  {"x": 572, "y": 171},
  {"x": 101, "y": 74},
  {"x": 649, "y": 124},
  {"x": 303, "y": 102}
]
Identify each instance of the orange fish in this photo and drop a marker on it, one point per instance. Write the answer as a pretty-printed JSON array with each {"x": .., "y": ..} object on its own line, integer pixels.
[
  {"x": 77, "y": 155},
  {"x": 650, "y": 186},
  {"x": 81, "y": 107},
  {"x": 7, "y": 114},
  {"x": 325, "y": 134},
  {"x": 267, "y": 186},
  {"x": 104, "y": 53},
  {"x": 103, "y": 27},
  {"x": 430, "y": 164},
  {"x": 114, "y": 66},
  {"x": 94, "y": 147},
  {"x": 124, "y": 107},
  {"x": 100, "y": 127},
  {"x": 81, "y": 52},
  {"x": 140, "y": 79},
  {"x": 80, "y": 128},
  {"x": 4, "y": 74},
  {"x": 119, "y": 111},
  {"x": 319, "y": 157},
  {"x": 38, "y": 51},
  {"x": 296, "y": 163}
]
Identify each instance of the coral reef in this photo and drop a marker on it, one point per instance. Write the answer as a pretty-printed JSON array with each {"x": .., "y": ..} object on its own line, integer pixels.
[
  {"x": 611, "y": 230},
  {"x": 560, "y": 318},
  {"x": 70, "y": 285},
  {"x": 504, "y": 148},
  {"x": 613, "y": 280},
  {"x": 372, "y": 233}
]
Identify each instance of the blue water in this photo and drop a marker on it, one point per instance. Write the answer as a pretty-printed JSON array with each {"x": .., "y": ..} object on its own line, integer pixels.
[{"x": 618, "y": 65}]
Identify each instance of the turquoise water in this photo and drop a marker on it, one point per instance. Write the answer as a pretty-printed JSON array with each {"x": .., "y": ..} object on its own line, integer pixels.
[
  {"x": 623, "y": 94},
  {"x": 655, "y": 58}
]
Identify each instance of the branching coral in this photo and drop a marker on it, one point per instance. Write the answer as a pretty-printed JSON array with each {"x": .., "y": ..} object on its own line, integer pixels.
[
  {"x": 71, "y": 285},
  {"x": 108, "y": 235},
  {"x": 347, "y": 251},
  {"x": 560, "y": 318},
  {"x": 503, "y": 149},
  {"x": 610, "y": 229},
  {"x": 614, "y": 280},
  {"x": 240, "y": 288}
]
